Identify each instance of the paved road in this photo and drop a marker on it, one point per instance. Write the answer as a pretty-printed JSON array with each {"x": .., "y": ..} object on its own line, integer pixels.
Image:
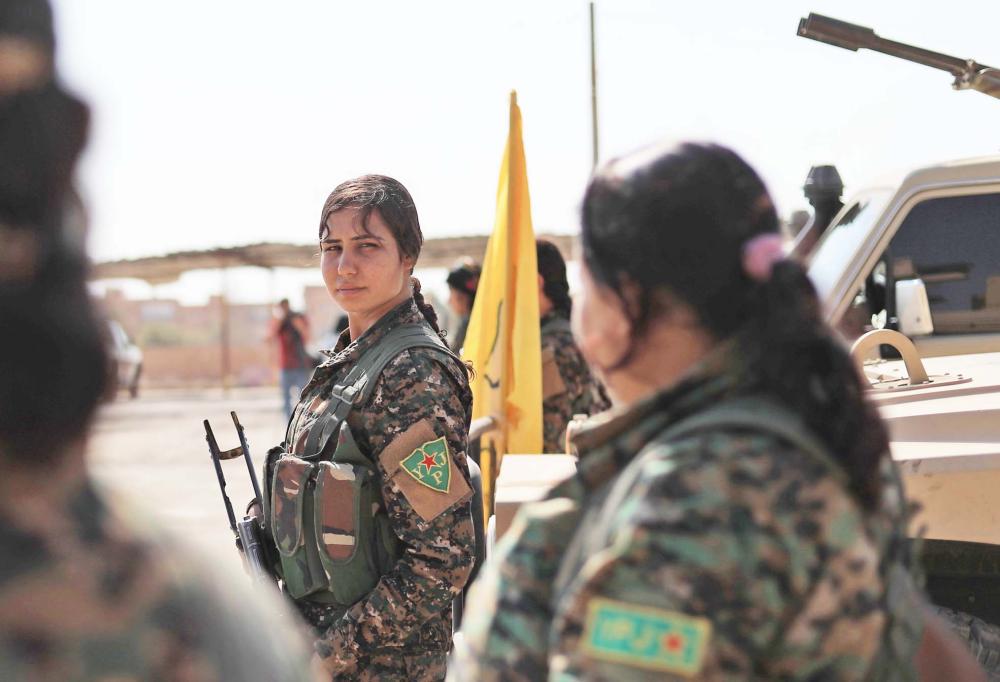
[{"x": 153, "y": 450}]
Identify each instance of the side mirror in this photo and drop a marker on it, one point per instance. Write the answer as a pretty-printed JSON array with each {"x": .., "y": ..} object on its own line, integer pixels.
[{"x": 912, "y": 308}]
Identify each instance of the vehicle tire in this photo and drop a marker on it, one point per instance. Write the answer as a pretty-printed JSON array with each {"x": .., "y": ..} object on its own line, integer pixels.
[{"x": 133, "y": 387}]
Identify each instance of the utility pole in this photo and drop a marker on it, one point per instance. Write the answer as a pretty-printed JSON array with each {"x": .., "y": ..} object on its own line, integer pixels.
[{"x": 593, "y": 86}]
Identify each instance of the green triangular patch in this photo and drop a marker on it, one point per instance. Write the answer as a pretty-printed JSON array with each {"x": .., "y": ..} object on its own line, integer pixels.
[{"x": 430, "y": 465}]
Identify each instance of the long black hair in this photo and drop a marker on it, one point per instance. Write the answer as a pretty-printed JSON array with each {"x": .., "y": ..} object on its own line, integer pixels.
[
  {"x": 552, "y": 268},
  {"x": 395, "y": 206},
  {"x": 675, "y": 220},
  {"x": 53, "y": 357}
]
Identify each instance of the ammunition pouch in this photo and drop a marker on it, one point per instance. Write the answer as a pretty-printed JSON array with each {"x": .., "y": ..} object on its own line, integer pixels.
[{"x": 333, "y": 536}]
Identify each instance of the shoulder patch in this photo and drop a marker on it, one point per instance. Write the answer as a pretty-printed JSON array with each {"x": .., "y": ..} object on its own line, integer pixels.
[
  {"x": 430, "y": 465},
  {"x": 419, "y": 463},
  {"x": 645, "y": 637}
]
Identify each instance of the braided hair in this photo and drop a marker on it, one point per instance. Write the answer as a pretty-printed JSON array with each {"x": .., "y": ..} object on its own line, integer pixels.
[{"x": 678, "y": 221}]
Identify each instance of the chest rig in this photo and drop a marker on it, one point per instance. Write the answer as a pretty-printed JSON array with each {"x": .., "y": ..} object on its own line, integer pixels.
[{"x": 324, "y": 505}]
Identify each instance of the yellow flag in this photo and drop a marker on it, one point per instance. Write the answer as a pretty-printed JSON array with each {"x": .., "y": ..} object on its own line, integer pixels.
[{"x": 503, "y": 340}]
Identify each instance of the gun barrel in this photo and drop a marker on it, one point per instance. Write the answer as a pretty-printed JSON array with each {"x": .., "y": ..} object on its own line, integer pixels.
[
  {"x": 246, "y": 455},
  {"x": 853, "y": 37},
  {"x": 213, "y": 450}
]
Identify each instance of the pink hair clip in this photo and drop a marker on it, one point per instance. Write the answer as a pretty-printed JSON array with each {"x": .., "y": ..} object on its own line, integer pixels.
[{"x": 761, "y": 253}]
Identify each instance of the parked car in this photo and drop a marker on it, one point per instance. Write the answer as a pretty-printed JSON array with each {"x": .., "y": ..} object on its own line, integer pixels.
[{"x": 126, "y": 361}]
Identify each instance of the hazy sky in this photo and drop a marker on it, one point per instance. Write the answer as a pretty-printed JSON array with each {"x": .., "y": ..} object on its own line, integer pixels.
[{"x": 220, "y": 122}]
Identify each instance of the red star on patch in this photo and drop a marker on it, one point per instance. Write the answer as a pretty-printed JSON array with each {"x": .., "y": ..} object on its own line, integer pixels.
[
  {"x": 673, "y": 643},
  {"x": 428, "y": 462}
]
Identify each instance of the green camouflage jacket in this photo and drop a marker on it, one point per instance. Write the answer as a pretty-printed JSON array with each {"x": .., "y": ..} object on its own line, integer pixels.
[
  {"x": 568, "y": 387},
  {"x": 93, "y": 594},
  {"x": 403, "y": 627},
  {"x": 732, "y": 557}
]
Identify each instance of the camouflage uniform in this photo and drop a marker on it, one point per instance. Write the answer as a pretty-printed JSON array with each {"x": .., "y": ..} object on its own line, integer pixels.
[
  {"x": 568, "y": 387},
  {"x": 87, "y": 595},
  {"x": 402, "y": 629},
  {"x": 731, "y": 557}
]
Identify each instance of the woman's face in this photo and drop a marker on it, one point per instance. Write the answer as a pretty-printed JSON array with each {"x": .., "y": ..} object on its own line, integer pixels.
[
  {"x": 600, "y": 326},
  {"x": 362, "y": 267},
  {"x": 458, "y": 302}
]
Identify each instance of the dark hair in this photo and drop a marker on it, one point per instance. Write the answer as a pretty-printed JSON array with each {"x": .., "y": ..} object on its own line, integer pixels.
[
  {"x": 395, "y": 206},
  {"x": 674, "y": 221},
  {"x": 465, "y": 280},
  {"x": 53, "y": 357},
  {"x": 552, "y": 268}
]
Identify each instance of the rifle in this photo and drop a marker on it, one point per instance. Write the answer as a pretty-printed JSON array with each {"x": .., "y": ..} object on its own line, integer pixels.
[
  {"x": 969, "y": 75},
  {"x": 247, "y": 532}
]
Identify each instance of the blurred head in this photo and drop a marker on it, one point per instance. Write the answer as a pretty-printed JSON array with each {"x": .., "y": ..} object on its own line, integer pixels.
[
  {"x": 462, "y": 284},
  {"x": 370, "y": 238},
  {"x": 283, "y": 308},
  {"x": 664, "y": 229},
  {"x": 553, "y": 285},
  {"x": 681, "y": 243},
  {"x": 53, "y": 360}
]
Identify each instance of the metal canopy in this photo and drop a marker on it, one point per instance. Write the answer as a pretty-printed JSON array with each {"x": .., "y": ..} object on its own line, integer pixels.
[{"x": 442, "y": 252}]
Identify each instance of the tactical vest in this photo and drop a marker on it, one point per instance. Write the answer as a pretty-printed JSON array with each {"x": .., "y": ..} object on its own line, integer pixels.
[{"x": 325, "y": 512}]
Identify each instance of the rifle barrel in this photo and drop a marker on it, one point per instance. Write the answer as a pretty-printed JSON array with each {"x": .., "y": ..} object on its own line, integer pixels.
[
  {"x": 246, "y": 455},
  {"x": 213, "y": 449},
  {"x": 853, "y": 37}
]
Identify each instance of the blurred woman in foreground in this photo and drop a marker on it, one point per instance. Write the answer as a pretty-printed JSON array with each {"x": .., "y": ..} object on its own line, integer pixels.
[
  {"x": 739, "y": 517},
  {"x": 88, "y": 590}
]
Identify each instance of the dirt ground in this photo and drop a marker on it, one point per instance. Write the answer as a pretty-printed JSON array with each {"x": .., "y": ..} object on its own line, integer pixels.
[{"x": 153, "y": 451}]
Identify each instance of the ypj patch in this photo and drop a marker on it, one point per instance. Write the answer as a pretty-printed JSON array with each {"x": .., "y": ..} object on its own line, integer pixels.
[
  {"x": 645, "y": 637},
  {"x": 430, "y": 465}
]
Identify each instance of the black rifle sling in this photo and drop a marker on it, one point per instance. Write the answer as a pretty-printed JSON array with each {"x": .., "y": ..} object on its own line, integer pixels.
[{"x": 356, "y": 387}]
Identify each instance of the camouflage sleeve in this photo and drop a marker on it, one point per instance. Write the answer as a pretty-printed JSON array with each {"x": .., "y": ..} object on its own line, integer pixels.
[
  {"x": 508, "y": 613},
  {"x": 730, "y": 560},
  {"x": 120, "y": 600},
  {"x": 415, "y": 394}
]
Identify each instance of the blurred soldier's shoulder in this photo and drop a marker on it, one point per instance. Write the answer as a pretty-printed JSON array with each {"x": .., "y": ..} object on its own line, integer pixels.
[{"x": 100, "y": 593}]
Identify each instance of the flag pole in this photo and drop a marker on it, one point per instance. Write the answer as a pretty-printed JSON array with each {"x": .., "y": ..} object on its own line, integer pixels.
[{"x": 593, "y": 87}]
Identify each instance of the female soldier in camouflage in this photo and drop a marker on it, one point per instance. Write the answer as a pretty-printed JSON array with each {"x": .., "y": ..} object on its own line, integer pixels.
[
  {"x": 568, "y": 387},
  {"x": 88, "y": 591},
  {"x": 369, "y": 496},
  {"x": 738, "y": 518}
]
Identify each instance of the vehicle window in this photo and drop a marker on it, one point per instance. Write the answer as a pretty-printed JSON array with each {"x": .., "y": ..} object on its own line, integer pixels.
[
  {"x": 953, "y": 245},
  {"x": 843, "y": 241}
]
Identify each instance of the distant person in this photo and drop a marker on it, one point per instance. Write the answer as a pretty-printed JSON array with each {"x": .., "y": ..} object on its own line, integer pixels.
[
  {"x": 462, "y": 284},
  {"x": 739, "y": 518},
  {"x": 568, "y": 386},
  {"x": 88, "y": 590},
  {"x": 290, "y": 330}
]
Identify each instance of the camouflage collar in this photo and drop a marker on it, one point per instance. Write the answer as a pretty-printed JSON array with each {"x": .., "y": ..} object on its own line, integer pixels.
[
  {"x": 347, "y": 351},
  {"x": 608, "y": 446}
]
